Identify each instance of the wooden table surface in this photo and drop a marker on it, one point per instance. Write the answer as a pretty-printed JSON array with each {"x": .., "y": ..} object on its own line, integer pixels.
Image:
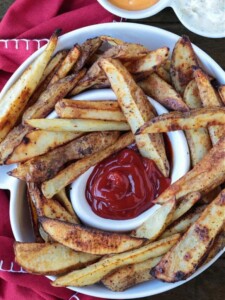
[{"x": 211, "y": 284}]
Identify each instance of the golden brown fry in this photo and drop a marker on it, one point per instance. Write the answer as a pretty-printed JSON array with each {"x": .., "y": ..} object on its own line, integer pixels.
[
  {"x": 15, "y": 99},
  {"x": 69, "y": 174},
  {"x": 150, "y": 61},
  {"x": 50, "y": 258},
  {"x": 182, "y": 61},
  {"x": 137, "y": 110},
  {"x": 47, "y": 76},
  {"x": 46, "y": 102},
  {"x": 163, "y": 73},
  {"x": 39, "y": 142},
  {"x": 111, "y": 40},
  {"x": 198, "y": 139},
  {"x": 190, "y": 251},
  {"x": 157, "y": 222},
  {"x": 80, "y": 238},
  {"x": 194, "y": 119},
  {"x": 182, "y": 224},
  {"x": 204, "y": 177},
  {"x": 130, "y": 275},
  {"x": 155, "y": 87},
  {"x": 100, "y": 110},
  {"x": 209, "y": 99},
  {"x": 62, "y": 198},
  {"x": 218, "y": 245},
  {"x": 67, "y": 64},
  {"x": 222, "y": 93},
  {"x": 49, "y": 207},
  {"x": 88, "y": 49},
  {"x": 77, "y": 125},
  {"x": 44, "y": 167},
  {"x": 99, "y": 270},
  {"x": 34, "y": 219}
]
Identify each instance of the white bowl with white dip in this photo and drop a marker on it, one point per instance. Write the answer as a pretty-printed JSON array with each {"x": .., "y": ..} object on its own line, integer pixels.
[{"x": 203, "y": 17}]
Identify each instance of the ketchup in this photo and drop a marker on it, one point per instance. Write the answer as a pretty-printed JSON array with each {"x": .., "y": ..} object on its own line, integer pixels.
[{"x": 124, "y": 185}]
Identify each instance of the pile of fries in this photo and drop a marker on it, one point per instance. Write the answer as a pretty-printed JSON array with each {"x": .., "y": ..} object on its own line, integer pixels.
[{"x": 188, "y": 228}]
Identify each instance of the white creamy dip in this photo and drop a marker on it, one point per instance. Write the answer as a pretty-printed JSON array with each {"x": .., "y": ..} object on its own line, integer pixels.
[{"x": 203, "y": 15}]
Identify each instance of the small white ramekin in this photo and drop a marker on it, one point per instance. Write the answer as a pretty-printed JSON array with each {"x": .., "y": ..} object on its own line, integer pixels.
[{"x": 180, "y": 166}]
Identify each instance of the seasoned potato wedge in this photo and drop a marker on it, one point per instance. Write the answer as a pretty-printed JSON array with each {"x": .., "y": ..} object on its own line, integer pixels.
[
  {"x": 100, "y": 110},
  {"x": 209, "y": 99},
  {"x": 88, "y": 240},
  {"x": 137, "y": 110},
  {"x": 157, "y": 222},
  {"x": 67, "y": 175},
  {"x": 44, "y": 167},
  {"x": 39, "y": 142},
  {"x": 50, "y": 258},
  {"x": 63, "y": 199},
  {"x": 50, "y": 208},
  {"x": 130, "y": 275},
  {"x": 182, "y": 61},
  {"x": 15, "y": 99},
  {"x": 194, "y": 119},
  {"x": 155, "y": 87},
  {"x": 67, "y": 64},
  {"x": 188, "y": 254},
  {"x": 47, "y": 100},
  {"x": 99, "y": 270},
  {"x": 77, "y": 125},
  {"x": 150, "y": 61},
  {"x": 204, "y": 177},
  {"x": 182, "y": 224},
  {"x": 222, "y": 93}
]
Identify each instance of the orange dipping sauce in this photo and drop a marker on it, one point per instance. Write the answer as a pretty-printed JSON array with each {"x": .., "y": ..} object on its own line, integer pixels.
[{"x": 133, "y": 4}]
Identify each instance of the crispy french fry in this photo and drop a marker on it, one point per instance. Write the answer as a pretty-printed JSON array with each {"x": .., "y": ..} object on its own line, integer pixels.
[
  {"x": 69, "y": 174},
  {"x": 100, "y": 110},
  {"x": 130, "y": 275},
  {"x": 88, "y": 48},
  {"x": 188, "y": 254},
  {"x": 194, "y": 119},
  {"x": 209, "y": 99},
  {"x": 67, "y": 64},
  {"x": 163, "y": 72},
  {"x": 50, "y": 258},
  {"x": 62, "y": 198},
  {"x": 47, "y": 77},
  {"x": 185, "y": 204},
  {"x": 182, "y": 224},
  {"x": 89, "y": 240},
  {"x": 218, "y": 245},
  {"x": 49, "y": 207},
  {"x": 44, "y": 167},
  {"x": 155, "y": 87},
  {"x": 77, "y": 125},
  {"x": 95, "y": 75},
  {"x": 111, "y": 40},
  {"x": 39, "y": 142},
  {"x": 12, "y": 140},
  {"x": 182, "y": 61},
  {"x": 137, "y": 110},
  {"x": 204, "y": 177},
  {"x": 34, "y": 218},
  {"x": 97, "y": 271},
  {"x": 15, "y": 99},
  {"x": 150, "y": 61},
  {"x": 222, "y": 93},
  {"x": 46, "y": 102},
  {"x": 157, "y": 222}
]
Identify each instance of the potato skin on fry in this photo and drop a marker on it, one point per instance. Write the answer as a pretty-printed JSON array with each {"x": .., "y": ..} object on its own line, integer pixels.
[
  {"x": 50, "y": 258},
  {"x": 191, "y": 250},
  {"x": 88, "y": 240},
  {"x": 44, "y": 167}
]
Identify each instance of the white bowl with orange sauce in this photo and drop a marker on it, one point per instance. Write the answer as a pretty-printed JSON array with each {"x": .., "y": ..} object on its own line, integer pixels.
[{"x": 134, "y": 9}]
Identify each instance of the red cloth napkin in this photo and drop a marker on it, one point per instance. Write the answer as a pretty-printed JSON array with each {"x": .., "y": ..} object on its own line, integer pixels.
[{"x": 26, "y": 26}]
